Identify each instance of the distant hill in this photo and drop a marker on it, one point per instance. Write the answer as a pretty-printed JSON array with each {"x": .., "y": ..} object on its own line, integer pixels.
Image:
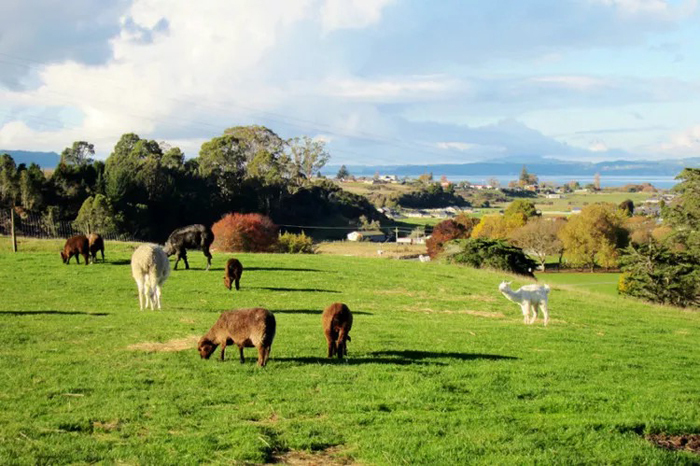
[
  {"x": 535, "y": 164},
  {"x": 43, "y": 159}
]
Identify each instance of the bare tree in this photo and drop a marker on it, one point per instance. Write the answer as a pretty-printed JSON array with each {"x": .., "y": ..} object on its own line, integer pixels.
[{"x": 539, "y": 237}]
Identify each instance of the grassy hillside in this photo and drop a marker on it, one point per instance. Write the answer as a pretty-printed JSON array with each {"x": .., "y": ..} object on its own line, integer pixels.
[{"x": 441, "y": 368}]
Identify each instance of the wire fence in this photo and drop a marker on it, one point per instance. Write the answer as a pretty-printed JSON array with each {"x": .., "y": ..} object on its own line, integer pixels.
[{"x": 44, "y": 226}]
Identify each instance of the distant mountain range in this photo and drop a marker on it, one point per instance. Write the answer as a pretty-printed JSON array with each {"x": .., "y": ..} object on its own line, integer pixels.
[
  {"x": 509, "y": 166},
  {"x": 540, "y": 166},
  {"x": 43, "y": 159}
]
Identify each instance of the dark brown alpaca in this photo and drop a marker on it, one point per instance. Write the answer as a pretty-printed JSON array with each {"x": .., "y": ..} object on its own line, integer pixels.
[
  {"x": 234, "y": 270},
  {"x": 245, "y": 328},
  {"x": 75, "y": 246},
  {"x": 96, "y": 244},
  {"x": 337, "y": 322}
]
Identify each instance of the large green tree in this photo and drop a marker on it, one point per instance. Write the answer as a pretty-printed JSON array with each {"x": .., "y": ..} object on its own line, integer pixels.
[
  {"x": 31, "y": 186},
  {"x": 96, "y": 216},
  {"x": 683, "y": 213},
  {"x": 80, "y": 153},
  {"x": 309, "y": 155},
  {"x": 653, "y": 272},
  {"x": 9, "y": 181},
  {"x": 594, "y": 236}
]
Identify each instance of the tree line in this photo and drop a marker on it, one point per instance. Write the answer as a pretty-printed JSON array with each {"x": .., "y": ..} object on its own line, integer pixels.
[{"x": 147, "y": 188}]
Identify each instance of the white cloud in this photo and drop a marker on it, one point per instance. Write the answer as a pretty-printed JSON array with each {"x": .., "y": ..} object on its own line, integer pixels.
[
  {"x": 351, "y": 14},
  {"x": 598, "y": 146},
  {"x": 412, "y": 88},
  {"x": 683, "y": 144},
  {"x": 462, "y": 146},
  {"x": 578, "y": 83}
]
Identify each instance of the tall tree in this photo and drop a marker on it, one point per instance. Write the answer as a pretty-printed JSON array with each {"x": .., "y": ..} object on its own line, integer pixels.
[
  {"x": 308, "y": 155},
  {"x": 96, "y": 216},
  {"x": 31, "y": 186},
  {"x": 539, "y": 237},
  {"x": 9, "y": 181},
  {"x": 79, "y": 154},
  {"x": 521, "y": 206},
  {"x": 594, "y": 236},
  {"x": 683, "y": 213},
  {"x": 342, "y": 173}
]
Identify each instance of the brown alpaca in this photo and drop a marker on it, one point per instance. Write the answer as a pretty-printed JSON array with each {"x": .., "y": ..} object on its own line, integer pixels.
[
  {"x": 245, "y": 328},
  {"x": 75, "y": 246},
  {"x": 337, "y": 322},
  {"x": 96, "y": 244},
  {"x": 234, "y": 270}
]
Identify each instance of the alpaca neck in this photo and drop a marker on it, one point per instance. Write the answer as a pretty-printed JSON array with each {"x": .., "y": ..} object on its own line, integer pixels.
[{"x": 510, "y": 294}]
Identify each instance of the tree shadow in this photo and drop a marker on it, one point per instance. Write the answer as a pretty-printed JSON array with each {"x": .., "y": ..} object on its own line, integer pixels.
[
  {"x": 418, "y": 355},
  {"x": 27, "y": 313},
  {"x": 312, "y": 311},
  {"x": 317, "y": 290},
  {"x": 289, "y": 269},
  {"x": 352, "y": 361}
]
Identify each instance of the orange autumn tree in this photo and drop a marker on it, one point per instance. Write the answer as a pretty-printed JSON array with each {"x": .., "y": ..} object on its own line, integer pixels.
[{"x": 245, "y": 232}]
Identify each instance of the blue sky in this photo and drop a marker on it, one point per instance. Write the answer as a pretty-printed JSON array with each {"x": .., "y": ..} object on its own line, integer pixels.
[{"x": 381, "y": 81}]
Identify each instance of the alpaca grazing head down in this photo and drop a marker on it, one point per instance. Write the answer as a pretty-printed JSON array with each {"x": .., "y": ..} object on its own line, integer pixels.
[{"x": 530, "y": 298}]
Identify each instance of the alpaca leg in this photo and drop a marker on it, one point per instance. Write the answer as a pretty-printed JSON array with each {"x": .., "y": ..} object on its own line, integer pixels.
[
  {"x": 526, "y": 312},
  {"x": 208, "y": 256},
  {"x": 240, "y": 348},
  {"x": 152, "y": 297},
  {"x": 533, "y": 309},
  {"x": 261, "y": 356},
  {"x": 139, "y": 284},
  {"x": 223, "y": 348},
  {"x": 157, "y": 293},
  {"x": 545, "y": 312}
]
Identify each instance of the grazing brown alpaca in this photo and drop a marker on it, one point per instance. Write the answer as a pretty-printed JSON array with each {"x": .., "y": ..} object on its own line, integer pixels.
[
  {"x": 96, "y": 243},
  {"x": 245, "y": 328},
  {"x": 337, "y": 322},
  {"x": 234, "y": 270},
  {"x": 75, "y": 246}
]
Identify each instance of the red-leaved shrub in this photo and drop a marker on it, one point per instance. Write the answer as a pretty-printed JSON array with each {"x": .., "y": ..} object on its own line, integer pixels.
[
  {"x": 244, "y": 232},
  {"x": 447, "y": 230}
]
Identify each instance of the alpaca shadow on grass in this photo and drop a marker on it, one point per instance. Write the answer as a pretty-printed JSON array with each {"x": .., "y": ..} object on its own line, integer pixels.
[
  {"x": 420, "y": 355},
  {"x": 116, "y": 262},
  {"x": 351, "y": 361},
  {"x": 312, "y": 311},
  {"x": 315, "y": 290},
  {"x": 287, "y": 269},
  {"x": 29, "y": 313}
]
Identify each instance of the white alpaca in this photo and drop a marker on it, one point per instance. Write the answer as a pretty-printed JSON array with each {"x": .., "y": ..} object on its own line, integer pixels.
[
  {"x": 530, "y": 298},
  {"x": 150, "y": 268}
]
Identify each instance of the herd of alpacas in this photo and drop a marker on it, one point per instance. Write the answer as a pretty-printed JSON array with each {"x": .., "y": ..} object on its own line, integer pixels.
[{"x": 248, "y": 328}]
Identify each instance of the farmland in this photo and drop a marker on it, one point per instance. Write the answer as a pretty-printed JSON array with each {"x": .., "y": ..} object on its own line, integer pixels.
[{"x": 441, "y": 369}]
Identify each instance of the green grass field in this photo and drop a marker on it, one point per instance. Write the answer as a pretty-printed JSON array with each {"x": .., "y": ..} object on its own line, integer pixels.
[
  {"x": 605, "y": 283},
  {"x": 441, "y": 369}
]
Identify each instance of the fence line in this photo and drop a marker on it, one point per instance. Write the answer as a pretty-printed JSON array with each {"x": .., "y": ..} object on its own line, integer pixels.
[
  {"x": 34, "y": 225},
  {"x": 37, "y": 225}
]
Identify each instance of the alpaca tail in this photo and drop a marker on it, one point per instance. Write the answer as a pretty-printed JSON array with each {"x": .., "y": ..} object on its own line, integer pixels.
[{"x": 546, "y": 288}]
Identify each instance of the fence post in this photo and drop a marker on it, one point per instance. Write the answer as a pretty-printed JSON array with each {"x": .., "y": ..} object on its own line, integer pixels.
[{"x": 12, "y": 227}]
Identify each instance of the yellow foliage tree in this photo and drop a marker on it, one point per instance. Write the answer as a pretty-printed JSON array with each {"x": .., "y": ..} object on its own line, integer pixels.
[{"x": 594, "y": 236}]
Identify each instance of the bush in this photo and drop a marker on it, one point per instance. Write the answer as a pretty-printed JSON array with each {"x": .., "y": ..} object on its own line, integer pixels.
[
  {"x": 654, "y": 273},
  {"x": 290, "y": 243},
  {"x": 245, "y": 232},
  {"x": 448, "y": 230},
  {"x": 491, "y": 254}
]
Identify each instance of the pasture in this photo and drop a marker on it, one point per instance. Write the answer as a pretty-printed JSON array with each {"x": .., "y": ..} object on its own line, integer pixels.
[{"x": 441, "y": 369}]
